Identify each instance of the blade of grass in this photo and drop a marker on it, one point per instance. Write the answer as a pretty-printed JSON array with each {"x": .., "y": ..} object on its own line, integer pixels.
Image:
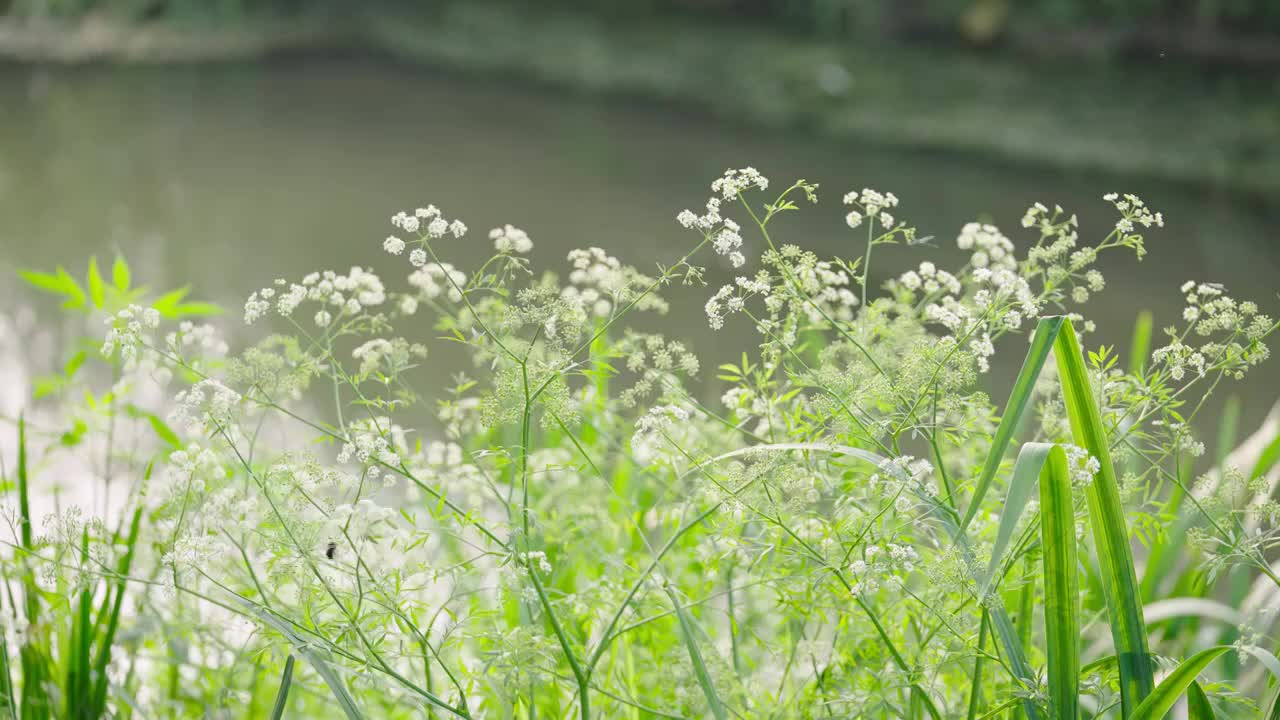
[
  {"x": 1062, "y": 590},
  {"x": 1140, "y": 344},
  {"x": 282, "y": 697},
  {"x": 1166, "y": 694},
  {"x": 336, "y": 686},
  {"x": 34, "y": 702},
  {"x": 688, "y": 632},
  {"x": 103, "y": 657},
  {"x": 1041, "y": 344},
  {"x": 1106, "y": 516},
  {"x": 1198, "y": 707},
  {"x": 1026, "y": 472}
]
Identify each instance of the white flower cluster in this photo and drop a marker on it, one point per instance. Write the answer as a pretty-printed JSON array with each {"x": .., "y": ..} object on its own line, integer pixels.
[
  {"x": 1082, "y": 466},
  {"x": 1238, "y": 327},
  {"x": 990, "y": 248},
  {"x": 901, "y": 477},
  {"x": 434, "y": 281},
  {"x": 652, "y": 425},
  {"x": 930, "y": 279},
  {"x": 731, "y": 299},
  {"x": 372, "y": 440},
  {"x": 870, "y": 204},
  {"x": 427, "y": 222},
  {"x": 735, "y": 181},
  {"x": 1133, "y": 212},
  {"x": 508, "y": 239},
  {"x": 389, "y": 355},
  {"x": 336, "y": 294},
  {"x": 126, "y": 328},
  {"x": 190, "y": 336},
  {"x": 880, "y": 565},
  {"x": 206, "y": 407},
  {"x": 599, "y": 283},
  {"x": 725, "y": 234}
]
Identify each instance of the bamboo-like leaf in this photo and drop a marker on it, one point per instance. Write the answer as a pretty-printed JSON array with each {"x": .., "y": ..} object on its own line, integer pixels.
[
  {"x": 688, "y": 631},
  {"x": 1166, "y": 694},
  {"x": 1198, "y": 707},
  {"x": 282, "y": 696},
  {"x": 1106, "y": 517},
  {"x": 1046, "y": 331},
  {"x": 1062, "y": 587}
]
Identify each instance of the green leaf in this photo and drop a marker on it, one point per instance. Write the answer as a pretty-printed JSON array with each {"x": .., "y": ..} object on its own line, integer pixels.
[
  {"x": 166, "y": 303},
  {"x": 1062, "y": 590},
  {"x": 1026, "y": 471},
  {"x": 74, "y": 364},
  {"x": 1198, "y": 707},
  {"x": 196, "y": 309},
  {"x": 163, "y": 431},
  {"x": 93, "y": 281},
  {"x": 120, "y": 274},
  {"x": 282, "y": 696},
  {"x": 307, "y": 650},
  {"x": 71, "y": 289},
  {"x": 688, "y": 632},
  {"x": 1267, "y": 459},
  {"x": 1019, "y": 398},
  {"x": 1106, "y": 517},
  {"x": 1140, "y": 344},
  {"x": 43, "y": 281},
  {"x": 1166, "y": 694}
]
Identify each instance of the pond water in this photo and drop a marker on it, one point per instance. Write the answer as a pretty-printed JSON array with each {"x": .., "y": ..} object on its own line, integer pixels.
[{"x": 227, "y": 176}]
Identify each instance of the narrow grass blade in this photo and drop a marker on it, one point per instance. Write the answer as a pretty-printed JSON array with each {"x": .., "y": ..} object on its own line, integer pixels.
[
  {"x": 688, "y": 630},
  {"x": 1026, "y": 472},
  {"x": 282, "y": 696},
  {"x": 1140, "y": 344},
  {"x": 1046, "y": 331},
  {"x": 336, "y": 686},
  {"x": 1062, "y": 587},
  {"x": 112, "y": 613},
  {"x": 1198, "y": 707},
  {"x": 1166, "y": 694},
  {"x": 1106, "y": 516}
]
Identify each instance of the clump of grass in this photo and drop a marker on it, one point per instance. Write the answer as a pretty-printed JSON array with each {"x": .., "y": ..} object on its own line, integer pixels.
[{"x": 575, "y": 529}]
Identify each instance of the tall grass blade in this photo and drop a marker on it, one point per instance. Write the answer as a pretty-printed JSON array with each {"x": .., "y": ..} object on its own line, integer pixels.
[
  {"x": 688, "y": 631},
  {"x": 1198, "y": 707},
  {"x": 1026, "y": 471},
  {"x": 1062, "y": 590},
  {"x": 1166, "y": 694},
  {"x": 1106, "y": 516},
  {"x": 282, "y": 697},
  {"x": 1019, "y": 398},
  {"x": 35, "y": 701},
  {"x": 336, "y": 686},
  {"x": 1140, "y": 343}
]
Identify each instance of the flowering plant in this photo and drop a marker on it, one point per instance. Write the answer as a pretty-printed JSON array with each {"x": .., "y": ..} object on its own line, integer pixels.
[{"x": 571, "y": 528}]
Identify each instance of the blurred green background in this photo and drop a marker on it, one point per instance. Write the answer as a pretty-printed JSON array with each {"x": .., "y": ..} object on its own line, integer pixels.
[{"x": 225, "y": 143}]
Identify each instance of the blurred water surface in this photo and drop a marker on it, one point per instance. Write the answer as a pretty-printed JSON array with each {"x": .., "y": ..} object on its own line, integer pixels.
[{"x": 228, "y": 176}]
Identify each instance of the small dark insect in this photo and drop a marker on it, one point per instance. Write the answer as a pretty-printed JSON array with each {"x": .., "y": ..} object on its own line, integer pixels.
[{"x": 332, "y": 550}]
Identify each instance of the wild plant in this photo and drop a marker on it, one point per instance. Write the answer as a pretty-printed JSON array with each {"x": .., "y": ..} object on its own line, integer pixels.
[{"x": 574, "y": 527}]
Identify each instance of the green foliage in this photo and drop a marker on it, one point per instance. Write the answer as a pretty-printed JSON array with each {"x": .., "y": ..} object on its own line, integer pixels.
[{"x": 575, "y": 529}]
